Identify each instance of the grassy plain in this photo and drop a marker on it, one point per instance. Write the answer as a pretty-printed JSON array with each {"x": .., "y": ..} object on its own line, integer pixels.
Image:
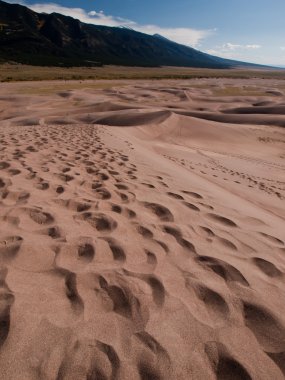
[{"x": 18, "y": 72}]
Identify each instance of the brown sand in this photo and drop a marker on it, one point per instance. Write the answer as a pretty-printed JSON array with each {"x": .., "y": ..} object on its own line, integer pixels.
[{"x": 142, "y": 231}]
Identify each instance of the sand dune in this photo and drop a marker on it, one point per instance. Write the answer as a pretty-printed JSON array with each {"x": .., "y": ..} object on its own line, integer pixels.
[
  {"x": 133, "y": 118},
  {"x": 278, "y": 109},
  {"x": 155, "y": 251},
  {"x": 236, "y": 117}
]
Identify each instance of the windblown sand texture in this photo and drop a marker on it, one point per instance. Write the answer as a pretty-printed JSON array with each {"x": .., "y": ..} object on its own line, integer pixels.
[{"x": 142, "y": 230}]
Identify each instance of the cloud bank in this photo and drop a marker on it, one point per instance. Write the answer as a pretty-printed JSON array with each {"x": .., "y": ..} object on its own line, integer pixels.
[
  {"x": 234, "y": 51},
  {"x": 229, "y": 48}
]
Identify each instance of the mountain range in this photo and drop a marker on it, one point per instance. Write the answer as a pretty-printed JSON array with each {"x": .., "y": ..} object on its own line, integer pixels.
[{"x": 53, "y": 39}]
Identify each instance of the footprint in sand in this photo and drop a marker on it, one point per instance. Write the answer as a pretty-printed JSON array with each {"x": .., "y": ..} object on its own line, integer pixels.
[
  {"x": 272, "y": 239},
  {"x": 223, "y": 364},
  {"x": 10, "y": 246},
  {"x": 6, "y": 302},
  {"x": 101, "y": 222},
  {"x": 176, "y": 233},
  {"x": 219, "y": 219},
  {"x": 267, "y": 267},
  {"x": 162, "y": 212},
  {"x": 175, "y": 196}
]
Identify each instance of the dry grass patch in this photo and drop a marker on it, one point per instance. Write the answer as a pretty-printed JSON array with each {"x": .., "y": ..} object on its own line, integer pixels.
[
  {"x": 55, "y": 87},
  {"x": 18, "y": 72}
]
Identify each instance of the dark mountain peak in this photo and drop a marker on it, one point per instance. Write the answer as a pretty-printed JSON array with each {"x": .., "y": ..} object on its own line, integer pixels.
[
  {"x": 157, "y": 35},
  {"x": 54, "y": 39}
]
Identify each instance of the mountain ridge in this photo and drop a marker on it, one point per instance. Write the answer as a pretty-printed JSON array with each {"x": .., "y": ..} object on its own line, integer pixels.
[{"x": 54, "y": 39}]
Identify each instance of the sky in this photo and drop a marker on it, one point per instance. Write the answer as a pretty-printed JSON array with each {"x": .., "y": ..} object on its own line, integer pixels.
[{"x": 246, "y": 30}]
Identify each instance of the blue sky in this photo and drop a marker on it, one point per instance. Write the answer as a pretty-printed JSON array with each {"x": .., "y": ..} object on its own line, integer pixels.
[{"x": 249, "y": 30}]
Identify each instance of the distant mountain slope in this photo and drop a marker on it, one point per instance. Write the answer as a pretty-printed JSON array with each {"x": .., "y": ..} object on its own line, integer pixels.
[{"x": 54, "y": 39}]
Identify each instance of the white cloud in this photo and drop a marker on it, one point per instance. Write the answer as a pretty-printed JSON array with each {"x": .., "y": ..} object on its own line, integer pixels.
[
  {"x": 234, "y": 51},
  {"x": 250, "y": 53},
  {"x": 253, "y": 46},
  {"x": 231, "y": 47},
  {"x": 238, "y": 52},
  {"x": 186, "y": 36}
]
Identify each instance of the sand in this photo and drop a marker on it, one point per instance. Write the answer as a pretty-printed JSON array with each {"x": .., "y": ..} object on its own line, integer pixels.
[{"x": 142, "y": 231}]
